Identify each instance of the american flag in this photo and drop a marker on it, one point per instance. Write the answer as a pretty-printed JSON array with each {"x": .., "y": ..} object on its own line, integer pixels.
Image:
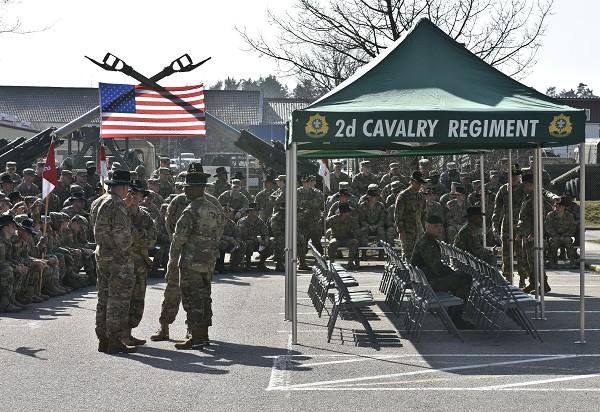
[{"x": 140, "y": 111}]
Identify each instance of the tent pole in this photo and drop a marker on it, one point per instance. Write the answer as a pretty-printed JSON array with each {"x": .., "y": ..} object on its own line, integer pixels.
[
  {"x": 581, "y": 242},
  {"x": 288, "y": 243},
  {"x": 294, "y": 240},
  {"x": 482, "y": 194},
  {"x": 539, "y": 217},
  {"x": 511, "y": 246}
]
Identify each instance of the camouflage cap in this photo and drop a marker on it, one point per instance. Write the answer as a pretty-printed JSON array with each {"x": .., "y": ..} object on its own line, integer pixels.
[
  {"x": 164, "y": 171},
  {"x": 79, "y": 219},
  {"x": 56, "y": 216},
  {"x": 81, "y": 172},
  {"x": 28, "y": 172},
  {"x": 90, "y": 164},
  {"x": 66, "y": 172},
  {"x": 11, "y": 164}
]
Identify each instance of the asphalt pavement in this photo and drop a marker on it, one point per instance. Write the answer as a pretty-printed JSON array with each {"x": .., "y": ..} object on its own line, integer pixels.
[{"x": 49, "y": 361}]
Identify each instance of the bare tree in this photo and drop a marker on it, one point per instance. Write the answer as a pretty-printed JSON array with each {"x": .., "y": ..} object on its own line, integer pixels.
[
  {"x": 13, "y": 25},
  {"x": 326, "y": 41}
]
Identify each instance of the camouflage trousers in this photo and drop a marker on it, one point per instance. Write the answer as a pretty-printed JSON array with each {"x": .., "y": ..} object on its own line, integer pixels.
[
  {"x": 195, "y": 296},
  {"x": 6, "y": 280},
  {"x": 390, "y": 235},
  {"x": 451, "y": 232},
  {"x": 252, "y": 245},
  {"x": 365, "y": 232},
  {"x": 237, "y": 255},
  {"x": 554, "y": 243},
  {"x": 19, "y": 282},
  {"x": 115, "y": 287},
  {"x": 350, "y": 243},
  {"x": 62, "y": 270},
  {"x": 172, "y": 295},
  {"x": 136, "y": 307},
  {"x": 409, "y": 243},
  {"x": 518, "y": 252},
  {"x": 279, "y": 242},
  {"x": 311, "y": 231}
]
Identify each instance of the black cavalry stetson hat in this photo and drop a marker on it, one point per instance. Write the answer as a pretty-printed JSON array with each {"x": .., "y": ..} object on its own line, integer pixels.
[{"x": 120, "y": 177}]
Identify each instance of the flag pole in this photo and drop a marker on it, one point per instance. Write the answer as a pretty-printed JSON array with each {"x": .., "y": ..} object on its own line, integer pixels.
[
  {"x": 43, "y": 237},
  {"x": 49, "y": 183}
]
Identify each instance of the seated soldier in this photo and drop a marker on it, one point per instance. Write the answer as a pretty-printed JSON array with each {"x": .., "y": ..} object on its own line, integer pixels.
[
  {"x": 455, "y": 213},
  {"x": 470, "y": 237},
  {"x": 230, "y": 242},
  {"x": 344, "y": 232},
  {"x": 427, "y": 255},
  {"x": 371, "y": 218},
  {"x": 560, "y": 229},
  {"x": 255, "y": 234}
]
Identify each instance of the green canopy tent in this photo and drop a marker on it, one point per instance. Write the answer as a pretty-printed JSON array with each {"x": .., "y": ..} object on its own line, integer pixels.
[{"x": 426, "y": 94}]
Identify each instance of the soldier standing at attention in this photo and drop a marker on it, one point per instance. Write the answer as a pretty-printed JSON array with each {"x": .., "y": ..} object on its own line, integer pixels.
[
  {"x": 263, "y": 198},
  {"x": 196, "y": 234},
  {"x": 277, "y": 226},
  {"x": 470, "y": 237},
  {"x": 112, "y": 231},
  {"x": 172, "y": 294},
  {"x": 143, "y": 233},
  {"x": 361, "y": 182},
  {"x": 344, "y": 232},
  {"x": 410, "y": 213},
  {"x": 310, "y": 203}
]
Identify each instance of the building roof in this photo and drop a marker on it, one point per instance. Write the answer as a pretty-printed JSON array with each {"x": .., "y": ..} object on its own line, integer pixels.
[{"x": 53, "y": 105}]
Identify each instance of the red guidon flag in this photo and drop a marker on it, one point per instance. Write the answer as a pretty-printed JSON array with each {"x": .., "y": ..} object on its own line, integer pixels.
[
  {"x": 49, "y": 176},
  {"x": 102, "y": 166},
  {"x": 324, "y": 171}
]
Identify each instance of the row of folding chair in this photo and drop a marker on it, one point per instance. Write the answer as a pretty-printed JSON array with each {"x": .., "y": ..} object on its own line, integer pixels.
[
  {"x": 395, "y": 280},
  {"x": 492, "y": 298}
]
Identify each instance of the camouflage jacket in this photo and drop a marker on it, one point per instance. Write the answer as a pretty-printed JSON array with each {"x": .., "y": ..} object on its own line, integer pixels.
[
  {"x": 470, "y": 239},
  {"x": 238, "y": 203},
  {"x": 455, "y": 213},
  {"x": 25, "y": 190},
  {"x": 143, "y": 232},
  {"x": 221, "y": 187},
  {"x": 371, "y": 215},
  {"x": 410, "y": 211},
  {"x": 263, "y": 199},
  {"x": 343, "y": 229},
  {"x": 112, "y": 228},
  {"x": 251, "y": 228},
  {"x": 334, "y": 181},
  {"x": 360, "y": 183},
  {"x": 231, "y": 231},
  {"x": 310, "y": 205},
  {"x": 559, "y": 226},
  {"x": 436, "y": 209},
  {"x": 427, "y": 255},
  {"x": 196, "y": 234},
  {"x": 277, "y": 224}
]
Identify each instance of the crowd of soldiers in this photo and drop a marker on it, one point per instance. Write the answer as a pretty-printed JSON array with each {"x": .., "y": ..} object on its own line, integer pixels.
[{"x": 144, "y": 223}]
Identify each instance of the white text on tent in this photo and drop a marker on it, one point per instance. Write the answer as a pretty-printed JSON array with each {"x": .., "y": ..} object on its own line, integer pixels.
[
  {"x": 492, "y": 128},
  {"x": 387, "y": 127}
]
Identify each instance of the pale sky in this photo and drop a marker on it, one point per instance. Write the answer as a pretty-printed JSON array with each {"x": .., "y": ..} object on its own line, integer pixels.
[{"x": 150, "y": 34}]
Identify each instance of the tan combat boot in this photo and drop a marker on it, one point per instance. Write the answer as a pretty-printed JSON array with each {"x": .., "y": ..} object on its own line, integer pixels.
[
  {"x": 161, "y": 334},
  {"x": 193, "y": 342},
  {"x": 116, "y": 345},
  {"x": 131, "y": 340},
  {"x": 6, "y": 306}
]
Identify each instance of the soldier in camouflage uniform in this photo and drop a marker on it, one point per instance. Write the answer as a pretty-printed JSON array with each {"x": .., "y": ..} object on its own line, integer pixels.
[
  {"x": 8, "y": 228},
  {"x": 172, "y": 294},
  {"x": 230, "y": 242},
  {"x": 470, "y": 237},
  {"x": 143, "y": 235},
  {"x": 81, "y": 178},
  {"x": 344, "y": 232},
  {"x": 525, "y": 228},
  {"x": 451, "y": 174},
  {"x": 163, "y": 243},
  {"x": 243, "y": 189},
  {"x": 222, "y": 183},
  {"x": 560, "y": 229},
  {"x": 277, "y": 226},
  {"x": 573, "y": 209},
  {"x": 28, "y": 187},
  {"x": 334, "y": 198},
  {"x": 427, "y": 256},
  {"x": 362, "y": 180},
  {"x": 371, "y": 218},
  {"x": 165, "y": 182},
  {"x": 455, "y": 214},
  {"x": 263, "y": 198},
  {"x": 235, "y": 199},
  {"x": 196, "y": 234},
  {"x": 310, "y": 203},
  {"x": 410, "y": 213},
  {"x": 63, "y": 190},
  {"x": 451, "y": 195},
  {"x": 78, "y": 238},
  {"x": 394, "y": 172},
  {"x": 11, "y": 170},
  {"x": 77, "y": 206},
  {"x": 337, "y": 176},
  {"x": 494, "y": 184},
  {"x": 434, "y": 182},
  {"x": 278, "y": 194},
  {"x": 112, "y": 231},
  {"x": 255, "y": 235},
  {"x": 92, "y": 177}
]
